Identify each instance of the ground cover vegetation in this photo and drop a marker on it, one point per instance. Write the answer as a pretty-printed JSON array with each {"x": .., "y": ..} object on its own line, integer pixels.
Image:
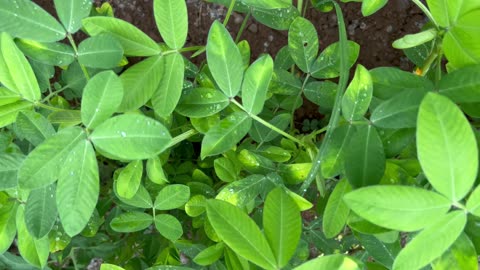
[{"x": 120, "y": 149}]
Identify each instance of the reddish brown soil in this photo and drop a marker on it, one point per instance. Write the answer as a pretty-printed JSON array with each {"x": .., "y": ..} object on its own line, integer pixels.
[{"x": 375, "y": 33}]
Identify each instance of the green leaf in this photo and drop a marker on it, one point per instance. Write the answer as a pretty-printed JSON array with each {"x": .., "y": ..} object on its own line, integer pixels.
[
  {"x": 447, "y": 13},
  {"x": 72, "y": 12},
  {"x": 25, "y": 19},
  {"x": 225, "y": 134},
  {"x": 201, "y": 102},
  {"x": 66, "y": 118},
  {"x": 133, "y": 40},
  {"x": 8, "y": 229},
  {"x": 10, "y": 163},
  {"x": 9, "y": 112},
  {"x": 34, "y": 251},
  {"x": 130, "y": 137},
  {"x": 303, "y": 43},
  {"x": 225, "y": 169},
  {"x": 34, "y": 127},
  {"x": 224, "y": 60},
  {"x": 210, "y": 255},
  {"x": 358, "y": 95},
  {"x": 364, "y": 158},
  {"x": 337, "y": 262},
  {"x": 443, "y": 233},
  {"x": 401, "y": 208},
  {"x": 327, "y": 65},
  {"x": 268, "y": 4},
  {"x": 129, "y": 179},
  {"x": 262, "y": 134},
  {"x": 141, "y": 199},
  {"x": 387, "y": 82},
  {"x": 102, "y": 51},
  {"x": 333, "y": 158},
  {"x": 371, "y": 6},
  {"x": 56, "y": 54},
  {"x": 255, "y": 84},
  {"x": 155, "y": 172},
  {"x": 473, "y": 202},
  {"x": 101, "y": 97},
  {"x": 462, "y": 85},
  {"x": 131, "y": 222},
  {"x": 78, "y": 188},
  {"x": 336, "y": 212},
  {"x": 106, "y": 266},
  {"x": 42, "y": 165},
  {"x": 140, "y": 82},
  {"x": 381, "y": 252},
  {"x": 241, "y": 192},
  {"x": 172, "y": 21},
  {"x": 282, "y": 224},
  {"x": 40, "y": 211},
  {"x": 446, "y": 145},
  {"x": 322, "y": 93},
  {"x": 171, "y": 197},
  {"x": 16, "y": 74},
  {"x": 168, "y": 226},
  {"x": 240, "y": 233},
  {"x": 461, "y": 41},
  {"x": 8, "y": 96},
  {"x": 166, "y": 96},
  {"x": 461, "y": 255},
  {"x": 278, "y": 19},
  {"x": 400, "y": 111},
  {"x": 413, "y": 40}
]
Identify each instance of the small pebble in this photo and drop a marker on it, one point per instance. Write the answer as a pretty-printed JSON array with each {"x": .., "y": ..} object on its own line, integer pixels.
[{"x": 253, "y": 28}]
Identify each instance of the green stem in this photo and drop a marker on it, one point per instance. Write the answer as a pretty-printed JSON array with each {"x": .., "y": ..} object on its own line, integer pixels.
[
  {"x": 292, "y": 124},
  {"x": 51, "y": 108},
  {"x": 265, "y": 123},
  {"x": 427, "y": 12},
  {"x": 75, "y": 49},
  {"x": 300, "y": 6},
  {"x": 335, "y": 118},
  {"x": 242, "y": 27},
  {"x": 186, "y": 49},
  {"x": 229, "y": 12},
  {"x": 305, "y": 9},
  {"x": 182, "y": 137},
  {"x": 47, "y": 98}
]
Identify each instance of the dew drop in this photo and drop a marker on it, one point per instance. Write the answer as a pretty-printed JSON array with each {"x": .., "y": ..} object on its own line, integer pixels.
[{"x": 123, "y": 134}]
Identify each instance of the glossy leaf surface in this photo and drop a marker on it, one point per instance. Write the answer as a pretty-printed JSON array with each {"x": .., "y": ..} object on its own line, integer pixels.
[
  {"x": 224, "y": 60},
  {"x": 398, "y": 207},
  {"x": 171, "y": 197},
  {"x": 42, "y": 165},
  {"x": 17, "y": 21},
  {"x": 140, "y": 82},
  {"x": 172, "y": 21},
  {"x": 303, "y": 43},
  {"x": 165, "y": 98},
  {"x": 101, "y": 97},
  {"x": 72, "y": 12},
  {"x": 225, "y": 134},
  {"x": 133, "y": 40},
  {"x": 444, "y": 232},
  {"x": 282, "y": 224},
  {"x": 41, "y": 211},
  {"x": 168, "y": 226},
  {"x": 364, "y": 158},
  {"x": 130, "y": 137},
  {"x": 336, "y": 211},
  {"x": 358, "y": 95},
  {"x": 255, "y": 84},
  {"x": 240, "y": 233},
  {"x": 16, "y": 74},
  {"x": 129, "y": 179},
  {"x": 131, "y": 222},
  {"x": 78, "y": 188},
  {"x": 447, "y": 149},
  {"x": 102, "y": 51}
]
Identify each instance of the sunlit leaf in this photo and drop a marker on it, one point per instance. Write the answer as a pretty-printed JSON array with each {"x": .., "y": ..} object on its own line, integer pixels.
[{"x": 172, "y": 21}]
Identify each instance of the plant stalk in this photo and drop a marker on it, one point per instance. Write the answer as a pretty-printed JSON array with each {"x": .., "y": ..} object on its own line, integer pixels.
[{"x": 335, "y": 118}]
